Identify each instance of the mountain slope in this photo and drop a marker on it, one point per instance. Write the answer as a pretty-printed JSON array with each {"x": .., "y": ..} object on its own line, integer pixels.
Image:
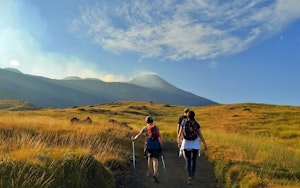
[
  {"x": 155, "y": 82},
  {"x": 152, "y": 81},
  {"x": 42, "y": 91},
  {"x": 45, "y": 92}
]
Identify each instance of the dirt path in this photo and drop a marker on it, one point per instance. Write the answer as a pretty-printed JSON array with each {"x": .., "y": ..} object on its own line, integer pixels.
[{"x": 176, "y": 172}]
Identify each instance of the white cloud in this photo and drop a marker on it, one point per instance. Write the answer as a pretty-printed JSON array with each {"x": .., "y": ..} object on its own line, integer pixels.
[
  {"x": 198, "y": 29},
  {"x": 114, "y": 78},
  {"x": 192, "y": 29},
  {"x": 17, "y": 46}
]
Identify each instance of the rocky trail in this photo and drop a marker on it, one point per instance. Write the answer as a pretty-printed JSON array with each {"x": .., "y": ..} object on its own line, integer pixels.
[{"x": 174, "y": 175}]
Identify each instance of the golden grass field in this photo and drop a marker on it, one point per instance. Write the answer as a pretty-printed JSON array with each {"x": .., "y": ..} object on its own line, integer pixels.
[{"x": 250, "y": 145}]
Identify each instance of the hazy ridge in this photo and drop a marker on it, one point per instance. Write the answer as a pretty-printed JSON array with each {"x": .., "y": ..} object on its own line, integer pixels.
[{"x": 73, "y": 91}]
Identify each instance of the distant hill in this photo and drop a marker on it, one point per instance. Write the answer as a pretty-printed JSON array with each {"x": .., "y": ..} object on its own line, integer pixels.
[
  {"x": 74, "y": 91},
  {"x": 14, "y": 105},
  {"x": 14, "y": 70}
]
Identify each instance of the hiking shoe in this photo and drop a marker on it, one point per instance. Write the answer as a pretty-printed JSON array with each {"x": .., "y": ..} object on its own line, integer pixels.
[
  {"x": 149, "y": 174},
  {"x": 155, "y": 179},
  {"x": 189, "y": 181}
]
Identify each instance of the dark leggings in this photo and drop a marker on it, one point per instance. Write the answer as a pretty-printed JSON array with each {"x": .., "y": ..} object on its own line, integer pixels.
[{"x": 191, "y": 157}]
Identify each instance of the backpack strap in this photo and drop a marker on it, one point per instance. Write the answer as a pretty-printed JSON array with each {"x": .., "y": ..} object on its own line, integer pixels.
[{"x": 183, "y": 122}]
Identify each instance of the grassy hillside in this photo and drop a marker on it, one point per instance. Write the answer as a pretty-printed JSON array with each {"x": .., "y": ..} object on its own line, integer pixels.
[
  {"x": 251, "y": 145},
  {"x": 13, "y": 105}
]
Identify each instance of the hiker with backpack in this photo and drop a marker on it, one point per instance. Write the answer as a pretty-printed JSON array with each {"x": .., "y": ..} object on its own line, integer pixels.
[
  {"x": 153, "y": 146},
  {"x": 188, "y": 141},
  {"x": 181, "y": 118}
]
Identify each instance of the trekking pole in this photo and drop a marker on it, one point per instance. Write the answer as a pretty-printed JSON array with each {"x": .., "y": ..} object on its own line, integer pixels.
[
  {"x": 133, "y": 158},
  {"x": 164, "y": 166}
]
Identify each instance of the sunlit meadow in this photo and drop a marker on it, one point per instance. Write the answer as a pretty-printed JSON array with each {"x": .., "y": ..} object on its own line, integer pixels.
[{"x": 250, "y": 145}]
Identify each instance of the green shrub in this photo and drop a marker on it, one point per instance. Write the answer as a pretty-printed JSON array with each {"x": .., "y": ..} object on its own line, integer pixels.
[
  {"x": 72, "y": 170},
  {"x": 81, "y": 171},
  {"x": 251, "y": 180},
  {"x": 20, "y": 174}
]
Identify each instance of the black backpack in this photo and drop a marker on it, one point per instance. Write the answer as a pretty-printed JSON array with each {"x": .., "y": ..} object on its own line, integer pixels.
[{"x": 189, "y": 129}]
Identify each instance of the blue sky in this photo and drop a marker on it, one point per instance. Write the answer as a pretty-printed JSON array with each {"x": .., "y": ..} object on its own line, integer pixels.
[{"x": 229, "y": 52}]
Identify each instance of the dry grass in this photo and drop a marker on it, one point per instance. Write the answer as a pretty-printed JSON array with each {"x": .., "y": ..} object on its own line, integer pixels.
[{"x": 251, "y": 145}]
